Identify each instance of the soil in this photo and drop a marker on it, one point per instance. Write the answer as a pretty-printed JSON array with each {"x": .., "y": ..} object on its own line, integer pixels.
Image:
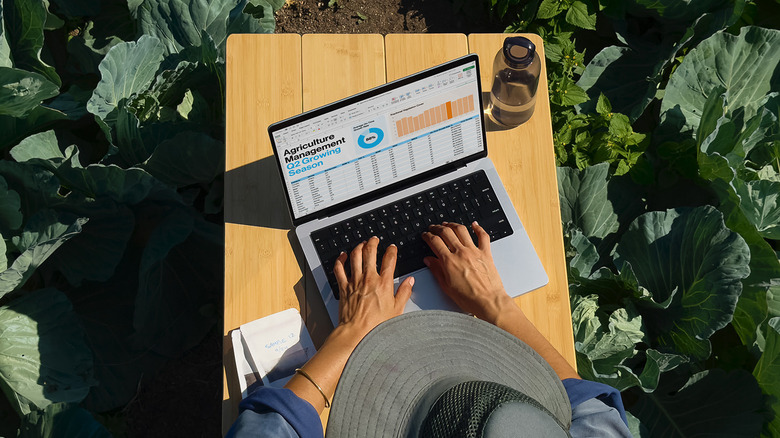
[
  {"x": 185, "y": 397},
  {"x": 376, "y": 16}
]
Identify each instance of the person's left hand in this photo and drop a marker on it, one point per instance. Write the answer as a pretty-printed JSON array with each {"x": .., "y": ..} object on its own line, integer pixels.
[{"x": 367, "y": 298}]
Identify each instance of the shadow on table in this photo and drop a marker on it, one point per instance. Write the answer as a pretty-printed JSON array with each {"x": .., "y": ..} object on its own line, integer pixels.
[
  {"x": 312, "y": 307},
  {"x": 254, "y": 196},
  {"x": 490, "y": 126}
]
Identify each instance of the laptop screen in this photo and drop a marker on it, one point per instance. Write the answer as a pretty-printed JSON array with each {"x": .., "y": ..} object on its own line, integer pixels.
[{"x": 378, "y": 138}]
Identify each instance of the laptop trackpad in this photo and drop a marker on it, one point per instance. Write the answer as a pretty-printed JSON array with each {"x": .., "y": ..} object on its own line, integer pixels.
[{"x": 426, "y": 293}]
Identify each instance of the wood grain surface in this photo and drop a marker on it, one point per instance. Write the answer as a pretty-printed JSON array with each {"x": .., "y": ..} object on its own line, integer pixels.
[{"x": 272, "y": 77}]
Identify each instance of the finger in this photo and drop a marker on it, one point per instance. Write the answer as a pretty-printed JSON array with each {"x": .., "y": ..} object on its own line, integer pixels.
[
  {"x": 388, "y": 261},
  {"x": 356, "y": 260},
  {"x": 369, "y": 254},
  {"x": 483, "y": 238},
  {"x": 447, "y": 235},
  {"x": 461, "y": 232},
  {"x": 435, "y": 243},
  {"x": 338, "y": 271},
  {"x": 403, "y": 294}
]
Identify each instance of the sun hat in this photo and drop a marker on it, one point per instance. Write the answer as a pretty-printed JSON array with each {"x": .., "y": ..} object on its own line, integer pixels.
[{"x": 438, "y": 374}]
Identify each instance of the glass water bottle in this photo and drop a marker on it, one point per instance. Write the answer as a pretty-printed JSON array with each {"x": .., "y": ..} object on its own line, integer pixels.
[{"x": 516, "y": 70}]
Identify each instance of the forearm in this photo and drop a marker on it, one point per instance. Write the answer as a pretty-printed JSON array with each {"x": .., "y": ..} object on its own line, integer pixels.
[
  {"x": 324, "y": 368},
  {"x": 512, "y": 319}
]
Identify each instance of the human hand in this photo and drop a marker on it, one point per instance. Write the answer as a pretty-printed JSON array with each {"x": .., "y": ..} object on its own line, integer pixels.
[
  {"x": 367, "y": 297},
  {"x": 464, "y": 271}
]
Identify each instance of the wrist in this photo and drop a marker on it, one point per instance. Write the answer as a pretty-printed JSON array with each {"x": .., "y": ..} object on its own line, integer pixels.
[
  {"x": 501, "y": 310},
  {"x": 347, "y": 335}
]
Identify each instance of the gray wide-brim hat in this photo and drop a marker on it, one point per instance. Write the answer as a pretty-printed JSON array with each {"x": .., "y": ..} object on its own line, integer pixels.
[{"x": 402, "y": 367}]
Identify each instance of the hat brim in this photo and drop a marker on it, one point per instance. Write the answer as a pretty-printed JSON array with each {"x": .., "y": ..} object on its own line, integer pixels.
[{"x": 396, "y": 364}]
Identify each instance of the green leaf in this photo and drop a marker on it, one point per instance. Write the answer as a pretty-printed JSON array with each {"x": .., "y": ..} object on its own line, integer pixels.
[
  {"x": 15, "y": 129},
  {"x": 630, "y": 76},
  {"x": 688, "y": 255},
  {"x": 578, "y": 16},
  {"x": 183, "y": 24},
  {"x": 167, "y": 90},
  {"x": 127, "y": 69},
  {"x": 5, "y": 49},
  {"x": 263, "y": 12},
  {"x": 37, "y": 187},
  {"x": 88, "y": 48},
  {"x": 619, "y": 125},
  {"x": 726, "y": 139},
  {"x": 743, "y": 65},
  {"x": 25, "y": 21},
  {"x": 712, "y": 403},
  {"x": 603, "y": 106},
  {"x": 567, "y": 93},
  {"x": 106, "y": 313},
  {"x": 3, "y": 256},
  {"x": 127, "y": 186},
  {"x": 603, "y": 355},
  {"x": 42, "y": 235},
  {"x": 10, "y": 209},
  {"x": 178, "y": 284},
  {"x": 753, "y": 307},
  {"x": 585, "y": 258},
  {"x": 21, "y": 91},
  {"x": 62, "y": 420},
  {"x": 94, "y": 254},
  {"x": 685, "y": 10},
  {"x": 549, "y": 9},
  {"x": 188, "y": 158},
  {"x": 585, "y": 202},
  {"x": 43, "y": 356},
  {"x": 767, "y": 373},
  {"x": 604, "y": 347},
  {"x": 181, "y": 295},
  {"x": 760, "y": 203},
  {"x": 42, "y": 145},
  {"x": 77, "y": 8}
]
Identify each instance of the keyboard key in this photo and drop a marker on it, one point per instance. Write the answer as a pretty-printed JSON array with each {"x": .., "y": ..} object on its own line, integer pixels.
[{"x": 462, "y": 201}]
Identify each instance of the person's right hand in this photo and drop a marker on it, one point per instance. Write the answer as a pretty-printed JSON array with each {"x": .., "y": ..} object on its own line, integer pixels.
[{"x": 464, "y": 271}]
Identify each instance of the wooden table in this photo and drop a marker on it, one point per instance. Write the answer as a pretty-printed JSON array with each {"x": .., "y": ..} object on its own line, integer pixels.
[{"x": 272, "y": 77}]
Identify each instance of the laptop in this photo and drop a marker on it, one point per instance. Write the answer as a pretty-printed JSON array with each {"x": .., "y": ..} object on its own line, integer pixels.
[{"x": 389, "y": 162}]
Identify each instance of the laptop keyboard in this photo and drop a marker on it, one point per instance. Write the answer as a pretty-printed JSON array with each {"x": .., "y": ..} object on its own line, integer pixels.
[{"x": 464, "y": 200}]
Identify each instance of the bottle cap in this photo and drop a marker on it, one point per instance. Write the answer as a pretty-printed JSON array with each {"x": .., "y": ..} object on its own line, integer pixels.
[{"x": 518, "y": 51}]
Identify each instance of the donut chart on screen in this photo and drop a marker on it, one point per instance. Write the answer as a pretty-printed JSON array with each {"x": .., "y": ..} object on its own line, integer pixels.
[{"x": 370, "y": 138}]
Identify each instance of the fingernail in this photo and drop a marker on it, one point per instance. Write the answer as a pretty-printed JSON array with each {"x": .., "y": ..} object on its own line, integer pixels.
[
  {"x": 392, "y": 244},
  {"x": 411, "y": 281},
  {"x": 444, "y": 223},
  {"x": 475, "y": 223},
  {"x": 342, "y": 253}
]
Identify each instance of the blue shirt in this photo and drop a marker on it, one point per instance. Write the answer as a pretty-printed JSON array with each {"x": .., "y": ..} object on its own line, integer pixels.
[{"x": 597, "y": 410}]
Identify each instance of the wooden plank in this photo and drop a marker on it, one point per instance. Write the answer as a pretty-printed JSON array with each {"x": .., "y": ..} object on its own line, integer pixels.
[
  {"x": 525, "y": 159},
  {"x": 408, "y": 53},
  {"x": 336, "y": 66},
  {"x": 258, "y": 255}
]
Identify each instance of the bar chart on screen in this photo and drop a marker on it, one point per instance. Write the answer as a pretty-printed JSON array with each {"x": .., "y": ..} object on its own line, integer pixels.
[{"x": 435, "y": 115}]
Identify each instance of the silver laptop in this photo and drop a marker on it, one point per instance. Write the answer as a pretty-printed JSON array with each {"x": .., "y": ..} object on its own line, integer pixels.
[{"x": 390, "y": 161}]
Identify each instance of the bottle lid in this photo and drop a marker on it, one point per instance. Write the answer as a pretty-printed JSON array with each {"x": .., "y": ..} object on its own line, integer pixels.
[{"x": 518, "y": 51}]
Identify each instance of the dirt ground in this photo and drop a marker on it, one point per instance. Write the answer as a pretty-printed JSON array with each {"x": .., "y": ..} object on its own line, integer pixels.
[
  {"x": 185, "y": 398},
  {"x": 375, "y": 16}
]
